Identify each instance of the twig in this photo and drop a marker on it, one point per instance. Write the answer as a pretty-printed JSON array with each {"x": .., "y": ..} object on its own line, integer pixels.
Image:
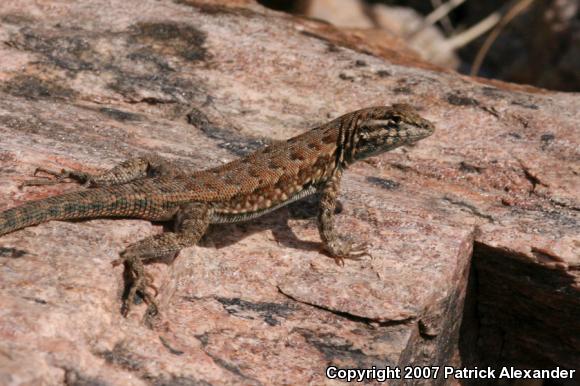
[
  {"x": 480, "y": 28},
  {"x": 514, "y": 11},
  {"x": 435, "y": 16},
  {"x": 474, "y": 32},
  {"x": 445, "y": 21}
]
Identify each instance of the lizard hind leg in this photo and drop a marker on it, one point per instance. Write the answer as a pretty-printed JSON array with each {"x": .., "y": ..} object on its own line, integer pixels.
[
  {"x": 192, "y": 221},
  {"x": 132, "y": 169}
]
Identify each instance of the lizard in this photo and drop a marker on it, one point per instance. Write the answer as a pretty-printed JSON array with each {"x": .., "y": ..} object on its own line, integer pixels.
[{"x": 152, "y": 188}]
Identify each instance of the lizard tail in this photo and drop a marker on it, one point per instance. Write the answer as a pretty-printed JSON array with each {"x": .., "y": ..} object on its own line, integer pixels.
[{"x": 91, "y": 203}]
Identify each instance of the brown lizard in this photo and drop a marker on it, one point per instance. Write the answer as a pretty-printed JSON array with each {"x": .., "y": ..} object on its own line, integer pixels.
[{"x": 151, "y": 188}]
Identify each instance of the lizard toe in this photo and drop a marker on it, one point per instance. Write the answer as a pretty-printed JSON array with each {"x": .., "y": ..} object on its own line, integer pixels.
[{"x": 342, "y": 250}]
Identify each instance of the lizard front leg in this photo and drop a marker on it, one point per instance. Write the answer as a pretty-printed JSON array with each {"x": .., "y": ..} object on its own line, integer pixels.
[
  {"x": 338, "y": 248},
  {"x": 192, "y": 221},
  {"x": 134, "y": 168}
]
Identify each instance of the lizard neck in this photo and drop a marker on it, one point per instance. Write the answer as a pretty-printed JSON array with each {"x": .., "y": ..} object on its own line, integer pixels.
[{"x": 346, "y": 141}]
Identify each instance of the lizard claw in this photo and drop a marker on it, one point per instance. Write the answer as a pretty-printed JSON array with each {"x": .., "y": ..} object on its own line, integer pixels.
[
  {"x": 341, "y": 250},
  {"x": 49, "y": 172},
  {"x": 44, "y": 180},
  {"x": 141, "y": 286},
  {"x": 58, "y": 177},
  {"x": 139, "y": 282},
  {"x": 149, "y": 284}
]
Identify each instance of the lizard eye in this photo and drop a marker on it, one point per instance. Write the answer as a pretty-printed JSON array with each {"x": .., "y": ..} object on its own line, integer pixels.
[{"x": 396, "y": 119}]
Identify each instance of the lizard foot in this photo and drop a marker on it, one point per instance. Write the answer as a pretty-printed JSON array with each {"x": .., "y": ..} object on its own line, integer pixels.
[
  {"x": 138, "y": 281},
  {"x": 340, "y": 250},
  {"x": 59, "y": 177}
]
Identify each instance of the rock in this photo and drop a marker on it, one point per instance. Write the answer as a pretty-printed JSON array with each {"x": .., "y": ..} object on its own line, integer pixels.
[{"x": 87, "y": 84}]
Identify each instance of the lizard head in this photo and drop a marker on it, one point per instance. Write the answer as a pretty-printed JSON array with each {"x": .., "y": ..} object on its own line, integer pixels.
[{"x": 381, "y": 129}]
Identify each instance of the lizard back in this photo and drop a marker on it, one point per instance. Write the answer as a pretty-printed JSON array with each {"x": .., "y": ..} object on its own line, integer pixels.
[{"x": 268, "y": 177}]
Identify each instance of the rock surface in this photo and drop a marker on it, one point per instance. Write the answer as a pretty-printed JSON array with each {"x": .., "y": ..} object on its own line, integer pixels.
[{"x": 88, "y": 84}]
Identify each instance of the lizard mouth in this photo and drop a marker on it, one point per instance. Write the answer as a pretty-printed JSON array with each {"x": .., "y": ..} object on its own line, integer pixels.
[{"x": 416, "y": 133}]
